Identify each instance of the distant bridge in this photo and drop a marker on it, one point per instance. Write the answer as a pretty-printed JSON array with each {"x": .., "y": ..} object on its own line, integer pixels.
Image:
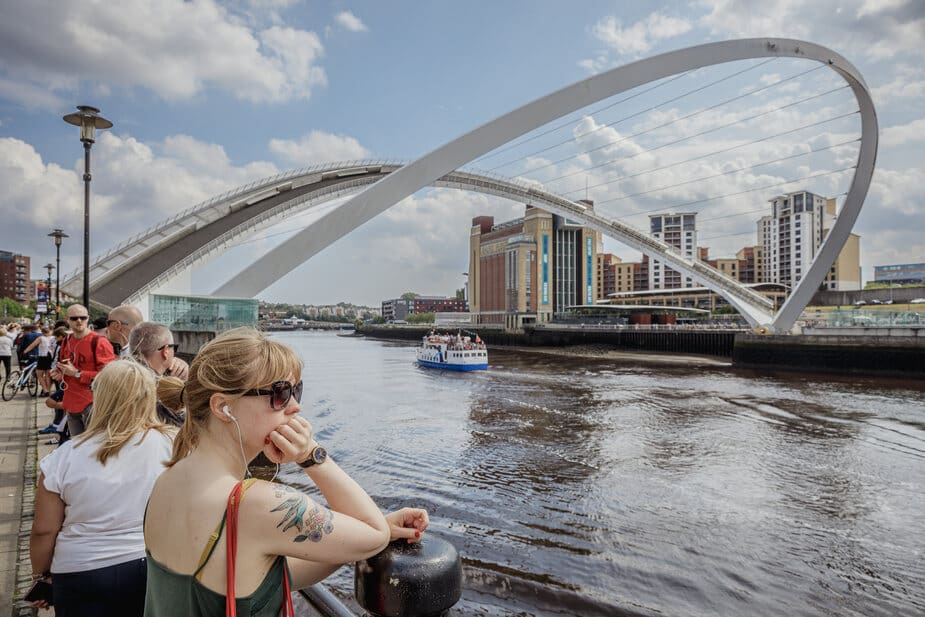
[{"x": 147, "y": 262}]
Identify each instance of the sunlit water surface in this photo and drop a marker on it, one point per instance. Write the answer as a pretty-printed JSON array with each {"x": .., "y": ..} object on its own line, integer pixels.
[{"x": 584, "y": 487}]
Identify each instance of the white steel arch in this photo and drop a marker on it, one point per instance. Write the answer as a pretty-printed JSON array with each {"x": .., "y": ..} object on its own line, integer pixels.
[{"x": 425, "y": 170}]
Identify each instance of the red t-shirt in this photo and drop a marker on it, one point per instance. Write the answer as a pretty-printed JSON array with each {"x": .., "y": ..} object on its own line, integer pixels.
[{"x": 77, "y": 393}]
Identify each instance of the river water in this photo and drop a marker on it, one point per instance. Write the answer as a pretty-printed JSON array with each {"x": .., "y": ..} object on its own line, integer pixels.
[{"x": 591, "y": 487}]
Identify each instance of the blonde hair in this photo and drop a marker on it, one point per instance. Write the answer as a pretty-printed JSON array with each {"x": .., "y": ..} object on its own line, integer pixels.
[
  {"x": 234, "y": 362},
  {"x": 124, "y": 405}
]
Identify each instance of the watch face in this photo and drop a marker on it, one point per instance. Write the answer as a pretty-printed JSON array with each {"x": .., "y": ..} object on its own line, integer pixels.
[{"x": 319, "y": 455}]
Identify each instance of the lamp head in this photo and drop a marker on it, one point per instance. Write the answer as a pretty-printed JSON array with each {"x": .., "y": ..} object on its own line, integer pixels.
[
  {"x": 58, "y": 234},
  {"x": 88, "y": 119}
]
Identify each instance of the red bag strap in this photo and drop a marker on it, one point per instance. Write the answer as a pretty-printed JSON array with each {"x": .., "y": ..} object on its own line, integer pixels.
[{"x": 231, "y": 548}]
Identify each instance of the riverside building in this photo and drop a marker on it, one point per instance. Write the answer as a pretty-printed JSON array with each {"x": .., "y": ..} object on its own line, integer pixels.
[
  {"x": 531, "y": 269},
  {"x": 792, "y": 236},
  {"x": 678, "y": 230},
  {"x": 14, "y": 277}
]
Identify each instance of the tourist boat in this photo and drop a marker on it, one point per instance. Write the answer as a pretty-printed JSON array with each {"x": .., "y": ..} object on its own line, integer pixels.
[{"x": 453, "y": 352}]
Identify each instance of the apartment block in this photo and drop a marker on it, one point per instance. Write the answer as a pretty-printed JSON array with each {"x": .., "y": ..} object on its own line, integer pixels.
[
  {"x": 678, "y": 230},
  {"x": 15, "y": 277}
]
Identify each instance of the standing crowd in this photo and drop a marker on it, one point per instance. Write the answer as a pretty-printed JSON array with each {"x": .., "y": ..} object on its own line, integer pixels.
[{"x": 141, "y": 509}]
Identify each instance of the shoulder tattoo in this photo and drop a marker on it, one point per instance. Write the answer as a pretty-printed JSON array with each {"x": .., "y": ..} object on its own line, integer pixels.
[{"x": 311, "y": 523}]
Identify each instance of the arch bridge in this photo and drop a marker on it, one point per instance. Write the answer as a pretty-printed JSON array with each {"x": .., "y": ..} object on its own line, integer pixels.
[{"x": 148, "y": 261}]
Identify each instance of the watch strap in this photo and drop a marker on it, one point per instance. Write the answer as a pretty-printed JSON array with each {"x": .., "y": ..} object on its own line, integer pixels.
[{"x": 317, "y": 456}]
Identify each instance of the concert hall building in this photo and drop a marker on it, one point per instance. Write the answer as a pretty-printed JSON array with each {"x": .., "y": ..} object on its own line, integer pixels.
[{"x": 531, "y": 269}]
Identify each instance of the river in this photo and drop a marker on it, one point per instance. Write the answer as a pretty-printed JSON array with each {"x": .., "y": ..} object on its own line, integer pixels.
[{"x": 593, "y": 487}]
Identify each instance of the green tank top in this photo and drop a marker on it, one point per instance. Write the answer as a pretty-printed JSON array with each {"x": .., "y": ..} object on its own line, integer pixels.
[{"x": 169, "y": 594}]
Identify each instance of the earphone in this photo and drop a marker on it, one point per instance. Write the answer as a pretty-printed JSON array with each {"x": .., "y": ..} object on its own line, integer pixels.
[{"x": 247, "y": 471}]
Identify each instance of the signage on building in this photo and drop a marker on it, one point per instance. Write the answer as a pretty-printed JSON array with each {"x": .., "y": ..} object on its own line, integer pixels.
[
  {"x": 545, "y": 269},
  {"x": 589, "y": 247}
]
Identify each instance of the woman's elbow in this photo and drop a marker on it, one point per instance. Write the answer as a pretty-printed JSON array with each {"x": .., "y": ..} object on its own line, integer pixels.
[
  {"x": 377, "y": 543},
  {"x": 37, "y": 534}
]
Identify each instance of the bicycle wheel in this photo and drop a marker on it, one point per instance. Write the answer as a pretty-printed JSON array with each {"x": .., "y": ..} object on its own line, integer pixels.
[
  {"x": 33, "y": 385},
  {"x": 10, "y": 386}
]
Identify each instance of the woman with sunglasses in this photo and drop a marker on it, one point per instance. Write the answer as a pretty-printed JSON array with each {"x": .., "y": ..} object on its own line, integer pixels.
[{"x": 242, "y": 398}]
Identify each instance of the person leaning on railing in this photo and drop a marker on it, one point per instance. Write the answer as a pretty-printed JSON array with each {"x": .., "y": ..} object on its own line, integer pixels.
[{"x": 242, "y": 398}]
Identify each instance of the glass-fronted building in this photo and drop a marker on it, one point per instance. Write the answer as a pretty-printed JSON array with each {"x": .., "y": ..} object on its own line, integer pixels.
[{"x": 203, "y": 313}]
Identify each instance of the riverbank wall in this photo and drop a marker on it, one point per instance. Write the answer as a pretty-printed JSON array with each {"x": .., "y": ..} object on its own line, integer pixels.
[
  {"x": 717, "y": 343},
  {"x": 888, "y": 356}
]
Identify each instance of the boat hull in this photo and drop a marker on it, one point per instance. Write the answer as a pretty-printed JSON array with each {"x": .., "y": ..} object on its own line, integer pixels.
[{"x": 454, "y": 367}]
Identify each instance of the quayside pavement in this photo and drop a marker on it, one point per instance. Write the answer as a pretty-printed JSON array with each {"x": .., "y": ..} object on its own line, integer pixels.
[{"x": 21, "y": 447}]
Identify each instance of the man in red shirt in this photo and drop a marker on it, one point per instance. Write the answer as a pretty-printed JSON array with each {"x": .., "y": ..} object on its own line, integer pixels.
[{"x": 83, "y": 354}]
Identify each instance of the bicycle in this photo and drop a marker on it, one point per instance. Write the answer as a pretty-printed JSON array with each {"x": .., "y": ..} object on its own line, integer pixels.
[{"x": 24, "y": 379}]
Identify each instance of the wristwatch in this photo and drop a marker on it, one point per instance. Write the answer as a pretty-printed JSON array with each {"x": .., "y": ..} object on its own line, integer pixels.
[
  {"x": 318, "y": 456},
  {"x": 77, "y": 375}
]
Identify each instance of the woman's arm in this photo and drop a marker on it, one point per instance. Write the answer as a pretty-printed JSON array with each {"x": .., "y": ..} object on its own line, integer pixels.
[
  {"x": 407, "y": 523},
  {"x": 290, "y": 523},
  {"x": 49, "y": 517}
]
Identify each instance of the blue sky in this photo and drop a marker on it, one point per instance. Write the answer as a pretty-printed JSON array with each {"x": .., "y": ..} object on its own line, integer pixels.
[{"x": 206, "y": 96}]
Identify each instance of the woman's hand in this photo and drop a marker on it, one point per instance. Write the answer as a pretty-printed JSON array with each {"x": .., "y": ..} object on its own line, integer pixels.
[
  {"x": 291, "y": 442},
  {"x": 408, "y": 523}
]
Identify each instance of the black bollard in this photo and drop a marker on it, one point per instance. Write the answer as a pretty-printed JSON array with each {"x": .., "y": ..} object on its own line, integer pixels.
[{"x": 423, "y": 579}]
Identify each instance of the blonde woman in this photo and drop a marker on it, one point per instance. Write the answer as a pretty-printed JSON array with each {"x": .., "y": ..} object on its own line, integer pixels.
[
  {"x": 87, "y": 536},
  {"x": 241, "y": 398}
]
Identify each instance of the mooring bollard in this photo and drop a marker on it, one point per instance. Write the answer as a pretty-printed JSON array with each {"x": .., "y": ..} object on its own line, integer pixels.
[{"x": 422, "y": 579}]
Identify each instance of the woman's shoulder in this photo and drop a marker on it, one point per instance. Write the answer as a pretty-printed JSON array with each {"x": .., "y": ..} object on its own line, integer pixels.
[{"x": 275, "y": 506}]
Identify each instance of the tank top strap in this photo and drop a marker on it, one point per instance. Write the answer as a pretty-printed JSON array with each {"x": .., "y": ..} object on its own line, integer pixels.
[{"x": 213, "y": 539}]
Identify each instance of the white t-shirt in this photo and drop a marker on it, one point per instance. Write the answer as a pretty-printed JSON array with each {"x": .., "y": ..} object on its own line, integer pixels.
[
  {"x": 6, "y": 346},
  {"x": 45, "y": 345},
  {"x": 104, "y": 504}
]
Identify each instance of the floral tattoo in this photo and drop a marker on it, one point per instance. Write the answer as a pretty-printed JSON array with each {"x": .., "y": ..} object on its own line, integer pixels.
[{"x": 311, "y": 524}]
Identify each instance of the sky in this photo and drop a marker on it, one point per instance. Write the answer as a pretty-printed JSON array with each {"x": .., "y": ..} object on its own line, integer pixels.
[{"x": 206, "y": 96}]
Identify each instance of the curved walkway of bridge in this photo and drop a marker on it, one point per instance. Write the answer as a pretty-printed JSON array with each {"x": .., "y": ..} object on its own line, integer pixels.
[{"x": 147, "y": 262}]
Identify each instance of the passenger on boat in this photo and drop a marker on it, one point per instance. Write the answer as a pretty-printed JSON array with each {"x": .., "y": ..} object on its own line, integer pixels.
[{"x": 242, "y": 398}]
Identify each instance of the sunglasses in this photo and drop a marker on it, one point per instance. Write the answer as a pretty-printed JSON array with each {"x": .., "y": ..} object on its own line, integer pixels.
[
  {"x": 79, "y": 317},
  {"x": 174, "y": 346},
  {"x": 112, "y": 321},
  {"x": 280, "y": 392}
]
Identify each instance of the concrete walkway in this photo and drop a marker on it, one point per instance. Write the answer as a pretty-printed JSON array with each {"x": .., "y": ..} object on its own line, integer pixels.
[{"x": 20, "y": 448}]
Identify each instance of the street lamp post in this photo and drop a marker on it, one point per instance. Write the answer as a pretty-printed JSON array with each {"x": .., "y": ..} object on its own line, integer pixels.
[
  {"x": 58, "y": 235},
  {"x": 49, "y": 266},
  {"x": 88, "y": 119}
]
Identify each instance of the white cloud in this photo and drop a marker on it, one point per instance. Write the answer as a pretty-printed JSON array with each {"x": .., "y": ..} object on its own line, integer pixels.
[
  {"x": 170, "y": 47},
  {"x": 877, "y": 29},
  {"x": 641, "y": 36},
  {"x": 912, "y": 132},
  {"x": 350, "y": 22},
  {"x": 30, "y": 96},
  {"x": 318, "y": 147},
  {"x": 34, "y": 194},
  {"x": 135, "y": 185},
  {"x": 907, "y": 83}
]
